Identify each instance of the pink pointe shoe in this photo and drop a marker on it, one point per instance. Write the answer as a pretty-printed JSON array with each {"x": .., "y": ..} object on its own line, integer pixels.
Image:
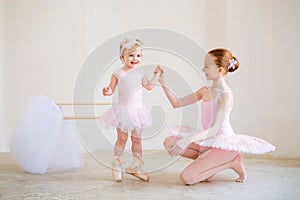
[
  {"x": 136, "y": 169},
  {"x": 116, "y": 171}
]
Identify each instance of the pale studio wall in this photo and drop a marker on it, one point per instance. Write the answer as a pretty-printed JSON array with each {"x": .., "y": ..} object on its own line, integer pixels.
[
  {"x": 2, "y": 143},
  {"x": 116, "y": 17},
  {"x": 44, "y": 49},
  {"x": 268, "y": 96},
  {"x": 286, "y": 95},
  {"x": 46, "y": 42},
  {"x": 252, "y": 43},
  {"x": 51, "y": 40}
]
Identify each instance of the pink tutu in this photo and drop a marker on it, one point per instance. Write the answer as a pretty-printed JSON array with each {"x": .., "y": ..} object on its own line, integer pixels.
[
  {"x": 229, "y": 142},
  {"x": 127, "y": 118},
  {"x": 225, "y": 138}
]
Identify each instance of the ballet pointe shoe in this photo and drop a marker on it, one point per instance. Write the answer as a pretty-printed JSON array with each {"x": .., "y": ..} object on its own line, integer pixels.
[
  {"x": 238, "y": 166},
  {"x": 116, "y": 169},
  {"x": 136, "y": 169}
]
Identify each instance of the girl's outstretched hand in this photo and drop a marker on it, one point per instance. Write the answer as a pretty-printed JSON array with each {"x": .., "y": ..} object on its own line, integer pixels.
[{"x": 107, "y": 91}]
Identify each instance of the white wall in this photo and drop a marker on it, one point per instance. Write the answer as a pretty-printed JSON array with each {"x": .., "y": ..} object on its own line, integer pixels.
[
  {"x": 215, "y": 24},
  {"x": 286, "y": 96},
  {"x": 253, "y": 82},
  {"x": 47, "y": 41},
  {"x": 2, "y": 139},
  {"x": 268, "y": 96},
  {"x": 108, "y": 18},
  {"x": 45, "y": 45}
]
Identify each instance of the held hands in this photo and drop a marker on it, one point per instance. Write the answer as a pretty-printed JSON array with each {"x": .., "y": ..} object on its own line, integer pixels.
[
  {"x": 158, "y": 70},
  {"x": 107, "y": 91}
]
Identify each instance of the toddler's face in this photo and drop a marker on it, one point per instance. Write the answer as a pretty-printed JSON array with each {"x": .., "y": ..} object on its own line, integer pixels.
[{"x": 133, "y": 58}]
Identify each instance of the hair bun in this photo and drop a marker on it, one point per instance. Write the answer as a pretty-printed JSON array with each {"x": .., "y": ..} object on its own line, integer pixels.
[{"x": 233, "y": 64}]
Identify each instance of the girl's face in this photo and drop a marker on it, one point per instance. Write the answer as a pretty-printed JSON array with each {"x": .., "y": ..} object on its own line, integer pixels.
[
  {"x": 132, "y": 59},
  {"x": 210, "y": 68}
]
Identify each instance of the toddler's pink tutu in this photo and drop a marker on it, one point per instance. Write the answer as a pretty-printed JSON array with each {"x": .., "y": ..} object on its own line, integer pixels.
[
  {"x": 230, "y": 142},
  {"x": 127, "y": 118},
  {"x": 129, "y": 113}
]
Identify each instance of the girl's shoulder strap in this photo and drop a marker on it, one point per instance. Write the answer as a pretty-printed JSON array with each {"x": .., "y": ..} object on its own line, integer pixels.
[
  {"x": 119, "y": 73},
  {"x": 228, "y": 96},
  {"x": 225, "y": 91}
]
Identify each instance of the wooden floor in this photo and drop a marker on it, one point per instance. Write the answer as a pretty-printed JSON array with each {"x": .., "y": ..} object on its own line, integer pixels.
[{"x": 267, "y": 179}]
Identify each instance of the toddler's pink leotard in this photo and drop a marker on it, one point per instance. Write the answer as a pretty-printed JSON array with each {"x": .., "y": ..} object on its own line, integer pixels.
[
  {"x": 129, "y": 113},
  {"x": 226, "y": 138}
]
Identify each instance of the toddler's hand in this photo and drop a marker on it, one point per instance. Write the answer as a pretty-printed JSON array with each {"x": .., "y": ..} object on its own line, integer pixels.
[
  {"x": 161, "y": 75},
  {"x": 107, "y": 91}
]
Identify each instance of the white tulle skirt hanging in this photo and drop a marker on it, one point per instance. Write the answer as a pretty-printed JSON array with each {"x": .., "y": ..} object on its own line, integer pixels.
[{"x": 43, "y": 140}]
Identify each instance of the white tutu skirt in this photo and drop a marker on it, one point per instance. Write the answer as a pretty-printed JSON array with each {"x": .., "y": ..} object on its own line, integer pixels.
[
  {"x": 126, "y": 118},
  {"x": 229, "y": 142},
  {"x": 43, "y": 141}
]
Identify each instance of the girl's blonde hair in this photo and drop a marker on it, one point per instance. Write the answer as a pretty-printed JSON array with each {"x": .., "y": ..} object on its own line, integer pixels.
[{"x": 130, "y": 44}]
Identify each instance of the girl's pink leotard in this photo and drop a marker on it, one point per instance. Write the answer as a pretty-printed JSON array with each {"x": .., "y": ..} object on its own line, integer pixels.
[
  {"x": 209, "y": 111},
  {"x": 129, "y": 113},
  {"x": 226, "y": 138}
]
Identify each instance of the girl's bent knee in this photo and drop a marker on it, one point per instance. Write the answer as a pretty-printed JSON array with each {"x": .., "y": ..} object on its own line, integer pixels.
[{"x": 186, "y": 178}]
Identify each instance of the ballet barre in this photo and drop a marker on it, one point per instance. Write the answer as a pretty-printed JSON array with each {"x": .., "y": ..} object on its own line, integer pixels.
[
  {"x": 82, "y": 104},
  {"x": 80, "y": 117}
]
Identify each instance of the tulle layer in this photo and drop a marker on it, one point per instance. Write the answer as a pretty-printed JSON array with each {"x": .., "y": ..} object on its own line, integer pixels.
[
  {"x": 240, "y": 143},
  {"x": 127, "y": 118},
  {"x": 230, "y": 142},
  {"x": 43, "y": 141}
]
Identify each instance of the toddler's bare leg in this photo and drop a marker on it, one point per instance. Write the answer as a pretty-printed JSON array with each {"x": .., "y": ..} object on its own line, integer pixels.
[
  {"x": 136, "y": 146},
  {"x": 117, "y": 171},
  {"x": 136, "y": 168},
  {"x": 120, "y": 143}
]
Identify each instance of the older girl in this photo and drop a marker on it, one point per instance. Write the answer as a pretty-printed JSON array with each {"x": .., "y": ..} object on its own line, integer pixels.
[{"x": 217, "y": 147}]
